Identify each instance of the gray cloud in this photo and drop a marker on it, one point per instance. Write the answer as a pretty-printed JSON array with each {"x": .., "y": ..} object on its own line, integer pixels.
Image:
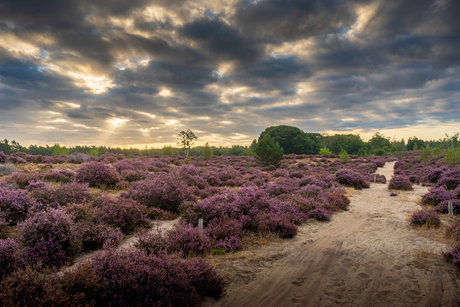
[{"x": 112, "y": 72}]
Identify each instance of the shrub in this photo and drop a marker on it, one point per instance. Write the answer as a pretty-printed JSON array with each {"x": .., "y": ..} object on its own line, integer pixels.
[
  {"x": 399, "y": 182},
  {"x": 449, "y": 179},
  {"x": 443, "y": 206},
  {"x": 325, "y": 151},
  {"x": 269, "y": 223},
  {"x": 428, "y": 217},
  {"x": 59, "y": 176},
  {"x": 3, "y": 157},
  {"x": 437, "y": 196},
  {"x": 454, "y": 230},
  {"x": 72, "y": 193},
  {"x": 452, "y": 157},
  {"x": 344, "y": 158},
  {"x": 126, "y": 214},
  {"x": 226, "y": 233},
  {"x": 320, "y": 214},
  {"x": 23, "y": 179},
  {"x": 9, "y": 260},
  {"x": 52, "y": 230},
  {"x": 95, "y": 236},
  {"x": 6, "y": 169},
  {"x": 187, "y": 241},
  {"x": 134, "y": 278},
  {"x": 165, "y": 191},
  {"x": 78, "y": 158},
  {"x": 352, "y": 179},
  {"x": 14, "y": 205},
  {"x": 98, "y": 174},
  {"x": 268, "y": 152},
  {"x": 159, "y": 214},
  {"x": 453, "y": 255}
]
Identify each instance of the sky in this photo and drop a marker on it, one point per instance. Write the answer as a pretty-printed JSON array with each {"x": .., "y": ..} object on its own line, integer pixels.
[{"x": 136, "y": 73}]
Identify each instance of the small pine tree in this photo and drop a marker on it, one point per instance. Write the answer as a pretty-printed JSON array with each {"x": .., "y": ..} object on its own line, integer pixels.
[
  {"x": 325, "y": 151},
  {"x": 58, "y": 150},
  {"x": 426, "y": 154},
  {"x": 436, "y": 151},
  {"x": 344, "y": 158},
  {"x": 268, "y": 152},
  {"x": 207, "y": 152},
  {"x": 415, "y": 147}
]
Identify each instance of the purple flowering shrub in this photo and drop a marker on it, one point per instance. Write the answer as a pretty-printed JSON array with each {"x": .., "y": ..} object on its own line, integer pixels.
[
  {"x": 160, "y": 214},
  {"x": 399, "y": 182},
  {"x": 443, "y": 206},
  {"x": 453, "y": 255},
  {"x": 3, "y": 157},
  {"x": 350, "y": 178},
  {"x": 50, "y": 233},
  {"x": 225, "y": 233},
  {"x": 450, "y": 179},
  {"x": 72, "y": 193},
  {"x": 23, "y": 179},
  {"x": 98, "y": 174},
  {"x": 269, "y": 223},
  {"x": 95, "y": 235},
  {"x": 14, "y": 205},
  {"x": 59, "y": 176},
  {"x": 437, "y": 196},
  {"x": 9, "y": 257},
  {"x": 165, "y": 191},
  {"x": 134, "y": 278},
  {"x": 124, "y": 213},
  {"x": 320, "y": 214},
  {"x": 428, "y": 217}
]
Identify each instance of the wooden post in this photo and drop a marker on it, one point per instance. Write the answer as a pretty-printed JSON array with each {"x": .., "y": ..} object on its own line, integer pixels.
[
  {"x": 200, "y": 225},
  {"x": 450, "y": 208},
  {"x": 375, "y": 177}
]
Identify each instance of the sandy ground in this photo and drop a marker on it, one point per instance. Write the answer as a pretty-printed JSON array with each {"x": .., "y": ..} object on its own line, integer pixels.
[{"x": 367, "y": 256}]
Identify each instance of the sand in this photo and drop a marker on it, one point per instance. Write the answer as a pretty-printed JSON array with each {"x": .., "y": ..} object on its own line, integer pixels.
[{"x": 367, "y": 256}]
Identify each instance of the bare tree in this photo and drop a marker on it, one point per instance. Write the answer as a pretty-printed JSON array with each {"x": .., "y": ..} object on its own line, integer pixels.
[{"x": 187, "y": 138}]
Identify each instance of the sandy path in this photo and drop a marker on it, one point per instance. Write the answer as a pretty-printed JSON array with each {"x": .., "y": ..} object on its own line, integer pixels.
[{"x": 366, "y": 256}]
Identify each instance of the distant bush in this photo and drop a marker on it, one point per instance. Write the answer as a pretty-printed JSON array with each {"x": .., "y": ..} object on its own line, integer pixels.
[
  {"x": 325, "y": 151},
  {"x": 344, "y": 158},
  {"x": 60, "y": 176},
  {"x": 165, "y": 191},
  {"x": 347, "y": 177},
  {"x": 23, "y": 179},
  {"x": 98, "y": 174},
  {"x": 428, "y": 217},
  {"x": 399, "y": 182},
  {"x": 6, "y": 169},
  {"x": 3, "y": 157}
]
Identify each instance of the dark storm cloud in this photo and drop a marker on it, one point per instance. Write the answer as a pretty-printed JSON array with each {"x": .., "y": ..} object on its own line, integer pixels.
[
  {"x": 229, "y": 69},
  {"x": 292, "y": 19}
]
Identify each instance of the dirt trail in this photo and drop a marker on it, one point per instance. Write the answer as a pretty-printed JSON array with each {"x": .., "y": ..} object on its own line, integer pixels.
[{"x": 367, "y": 256}]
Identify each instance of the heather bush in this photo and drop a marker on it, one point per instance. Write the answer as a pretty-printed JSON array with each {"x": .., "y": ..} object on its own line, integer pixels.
[
  {"x": 437, "y": 196},
  {"x": 187, "y": 241},
  {"x": 3, "y": 157},
  {"x": 320, "y": 214},
  {"x": 350, "y": 178},
  {"x": 59, "y": 176},
  {"x": 77, "y": 158},
  {"x": 9, "y": 257},
  {"x": 6, "y": 169},
  {"x": 165, "y": 191},
  {"x": 98, "y": 174},
  {"x": 16, "y": 160},
  {"x": 449, "y": 179},
  {"x": 35, "y": 286},
  {"x": 269, "y": 223},
  {"x": 95, "y": 236},
  {"x": 399, "y": 182},
  {"x": 126, "y": 214},
  {"x": 453, "y": 255},
  {"x": 45, "y": 252},
  {"x": 443, "y": 206},
  {"x": 160, "y": 214},
  {"x": 14, "y": 205},
  {"x": 428, "y": 217},
  {"x": 23, "y": 179},
  {"x": 51, "y": 230},
  {"x": 134, "y": 278},
  {"x": 225, "y": 233},
  {"x": 72, "y": 193}
]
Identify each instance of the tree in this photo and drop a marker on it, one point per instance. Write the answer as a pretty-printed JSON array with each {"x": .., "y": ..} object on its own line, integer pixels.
[
  {"x": 379, "y": 141},
  {"x": 415, "y": 144},
  {"x": 187, "y": 138},
  {"x": 167, "y": 151},
  {"x": 325, "y": 151},
  {"x": 291, "y": 139},
  {"x": 344, "y": 158},
  {"x": 207, "y": 152},
  {"x": 58, "y": 150},
  {"x": 268, "y": 152}
]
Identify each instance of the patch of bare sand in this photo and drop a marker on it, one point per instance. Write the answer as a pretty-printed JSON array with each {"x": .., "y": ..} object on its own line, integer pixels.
[{"x": 367, "y": 256}]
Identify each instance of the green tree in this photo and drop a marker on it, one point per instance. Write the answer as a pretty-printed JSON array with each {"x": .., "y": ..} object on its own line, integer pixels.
[
  {"x": 324, "y": 151},
  {"x": 414, "y": 144},
  {"x": 452, "y": 157},
  {"x": 167, "y": 151},
  {"x": 344, "y": 158},
  {"x": 58, "y": 150},
  {"x": 379, "y": 141},
  {"x": 291, "y": 139},
  {"x": 436, "y": 151},
  {"x": 268, "y": 152},
  {"x": 426, "y": 154},
  {"x": 207, "y": 152},
  {"x": 187, "y": 138},
  {"x": 362, "y": 152}
]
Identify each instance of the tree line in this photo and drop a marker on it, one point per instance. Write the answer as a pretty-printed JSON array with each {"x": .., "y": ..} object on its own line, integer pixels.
[{"x": 291, "y": 139}]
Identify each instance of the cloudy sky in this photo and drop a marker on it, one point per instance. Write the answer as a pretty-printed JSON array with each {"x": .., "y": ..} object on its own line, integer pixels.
[{"x": 117, "y": 72}]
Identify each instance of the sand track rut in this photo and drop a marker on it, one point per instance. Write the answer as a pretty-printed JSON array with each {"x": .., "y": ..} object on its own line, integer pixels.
[{"x": 363, "y": 257}]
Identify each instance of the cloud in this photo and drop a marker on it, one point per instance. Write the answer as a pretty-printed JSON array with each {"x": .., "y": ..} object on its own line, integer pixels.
[{"x": 225, "y": 69}]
